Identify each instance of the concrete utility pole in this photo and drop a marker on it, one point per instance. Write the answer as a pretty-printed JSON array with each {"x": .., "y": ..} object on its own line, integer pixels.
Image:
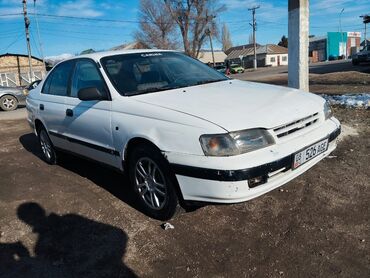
[
  {"x": 209, "y": 34},
  {"x": 254, "y": 26},
  {"x": 366, "y": 20},
  {"x": 341, "y": 34},
  {"x": 26, "y": 25},
  {"x": 298, "y": 25}
]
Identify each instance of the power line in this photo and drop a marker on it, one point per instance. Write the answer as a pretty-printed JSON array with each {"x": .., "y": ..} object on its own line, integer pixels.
[{"x": 13, "y": 42}]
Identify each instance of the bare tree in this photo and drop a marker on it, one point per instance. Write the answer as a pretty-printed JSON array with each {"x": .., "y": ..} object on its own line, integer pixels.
[
  {"x": 157, "y": 29},
  {"x": 194, "y": 17},
  {"x": 226, "y": 39}
]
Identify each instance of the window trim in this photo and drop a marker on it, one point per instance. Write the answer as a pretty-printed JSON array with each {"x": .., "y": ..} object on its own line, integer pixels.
[
  {"x": 109, "y": 97},
  {"x": 50, "y": 76}
]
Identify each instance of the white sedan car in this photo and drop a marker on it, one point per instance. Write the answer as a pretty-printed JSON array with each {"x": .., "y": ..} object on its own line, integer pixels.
[{"x": 182, "y": 130}]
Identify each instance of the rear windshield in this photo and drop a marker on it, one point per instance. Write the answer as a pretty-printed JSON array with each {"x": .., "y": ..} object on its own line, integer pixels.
[{"x": 141, "y": 73}]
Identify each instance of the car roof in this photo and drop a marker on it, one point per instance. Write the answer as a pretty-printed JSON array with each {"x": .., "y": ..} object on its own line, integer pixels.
[{"x": 98, "y": 55}]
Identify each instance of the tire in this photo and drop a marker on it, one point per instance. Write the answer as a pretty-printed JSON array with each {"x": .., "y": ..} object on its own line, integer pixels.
[
  {"x": 8, "y": 103},
  {"x": 47, "y": 147},
  {"x": 153, "y": 182}
]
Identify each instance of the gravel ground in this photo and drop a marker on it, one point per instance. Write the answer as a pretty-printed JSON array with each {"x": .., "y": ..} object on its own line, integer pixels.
[{"x": 77, "y": 219}]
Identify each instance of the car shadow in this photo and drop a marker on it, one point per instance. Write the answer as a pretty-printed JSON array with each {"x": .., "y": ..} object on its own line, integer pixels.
[
  {"x": 67, "y": 245},
  {"x": 105, "y": 177}
]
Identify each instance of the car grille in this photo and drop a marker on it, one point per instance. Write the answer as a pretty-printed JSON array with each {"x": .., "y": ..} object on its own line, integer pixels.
[{"x": 292, "y": 127}]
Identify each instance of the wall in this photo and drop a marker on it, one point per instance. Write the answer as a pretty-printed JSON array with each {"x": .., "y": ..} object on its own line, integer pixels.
[
  {"x": 320, "y": 47},
  {"x": 14, "y": 70},
  {"x": 278, "y": 60},
  {"x": 333, "y": 41}
]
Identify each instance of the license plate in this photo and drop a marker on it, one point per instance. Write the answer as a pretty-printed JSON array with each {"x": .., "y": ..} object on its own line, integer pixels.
[{"x": 310, "y": 152}]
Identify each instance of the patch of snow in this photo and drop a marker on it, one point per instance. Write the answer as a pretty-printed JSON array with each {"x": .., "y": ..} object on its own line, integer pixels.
[
  {"x": 352, "y": 100},
  {"x": 53, "y": 60},
  {"x": 347, "y": 131}
]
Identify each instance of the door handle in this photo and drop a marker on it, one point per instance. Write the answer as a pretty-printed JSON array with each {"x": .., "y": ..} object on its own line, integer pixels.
[
  {"x": 69, "y": 113},
  {"x": 42, "y": 107}
]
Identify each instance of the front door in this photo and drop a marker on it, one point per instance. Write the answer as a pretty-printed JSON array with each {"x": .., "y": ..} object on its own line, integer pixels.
[
  {"x": 88, "y": 123},
  {"x": 52, "y": 101}
]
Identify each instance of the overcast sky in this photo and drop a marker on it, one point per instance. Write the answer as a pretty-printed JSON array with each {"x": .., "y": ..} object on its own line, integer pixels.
[{"x": 66, "y": 35}]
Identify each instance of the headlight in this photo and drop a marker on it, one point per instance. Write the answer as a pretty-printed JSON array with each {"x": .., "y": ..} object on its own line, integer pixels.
[
  {"x": 327, "y": 111},
  {"x": 235, "y": 143}
]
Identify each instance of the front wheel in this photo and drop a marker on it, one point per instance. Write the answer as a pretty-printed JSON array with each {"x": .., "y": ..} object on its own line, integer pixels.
[
  {"x": 8, "y": 103},
  {"x": 153, "y": 182}
]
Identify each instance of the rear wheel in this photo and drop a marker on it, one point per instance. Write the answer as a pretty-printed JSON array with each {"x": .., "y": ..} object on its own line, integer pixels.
[
  {"x": 8, "y": 103},
  {"x": 47, "y": 148},
  {"x": 153, "y": 182}
]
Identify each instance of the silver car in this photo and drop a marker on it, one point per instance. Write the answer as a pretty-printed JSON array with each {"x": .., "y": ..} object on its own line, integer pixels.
[{"x": 11, "y": 97}]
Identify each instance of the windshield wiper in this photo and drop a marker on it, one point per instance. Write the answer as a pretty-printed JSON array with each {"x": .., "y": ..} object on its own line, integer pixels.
[
  {"x": 154, "y": 90},
  {"x": 209, "y": 81}
]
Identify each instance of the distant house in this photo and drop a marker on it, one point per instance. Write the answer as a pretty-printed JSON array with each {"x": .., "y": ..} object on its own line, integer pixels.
[
  {"x": 267, "y": 55},
  {"x": 239, "y": 47},
  {"x": 15, "y": 70},
  {"x": 132, "y": 45},
  {"x": 205, "y": 56}
]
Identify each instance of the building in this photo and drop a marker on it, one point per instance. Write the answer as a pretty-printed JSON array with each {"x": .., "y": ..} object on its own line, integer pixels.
[
  {"x": 15, "y": 71},
  {"x": 335, "y": 45},
  {"x": 317, "y": 49},
  {"x": 267, "y": 55},
  {"x": 205, "y": 56},
  {"x": 132, "y": 45},
  {"x": 239, "y": 47}
]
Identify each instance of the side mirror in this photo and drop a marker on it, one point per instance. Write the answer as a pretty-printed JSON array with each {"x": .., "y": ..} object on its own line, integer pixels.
[{"x": 90, "y": 93}]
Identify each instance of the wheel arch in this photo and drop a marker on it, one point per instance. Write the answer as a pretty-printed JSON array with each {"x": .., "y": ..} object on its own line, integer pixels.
[
  {"x": 38, "y": 125},
  {"x": 135, "y": 141}
]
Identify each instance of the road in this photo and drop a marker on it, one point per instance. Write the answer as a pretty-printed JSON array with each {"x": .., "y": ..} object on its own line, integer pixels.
[
  {"x": 20, "y": 113},
  {"x": 318, "y": 68}
]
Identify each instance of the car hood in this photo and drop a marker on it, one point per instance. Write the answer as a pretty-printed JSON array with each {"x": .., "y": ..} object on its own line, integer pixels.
[{"x": 236, "y": 105}]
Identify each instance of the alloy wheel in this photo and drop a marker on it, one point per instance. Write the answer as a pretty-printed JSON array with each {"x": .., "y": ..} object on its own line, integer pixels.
[
  {"x": 150, "y": 183},
  {"x": 45, "y": 145}
]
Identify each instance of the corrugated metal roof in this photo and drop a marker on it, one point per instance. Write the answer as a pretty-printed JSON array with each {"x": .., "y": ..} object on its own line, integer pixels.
[
  {"x": 262, "y": 49},
  {"x": 319, "y": 38},
  {"x": 206, "y": 56}
]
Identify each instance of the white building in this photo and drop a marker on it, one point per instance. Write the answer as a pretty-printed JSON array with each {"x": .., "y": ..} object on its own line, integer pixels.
[
  {"x": 267, "y": 55},
  {"x": 205, "y": 56}
]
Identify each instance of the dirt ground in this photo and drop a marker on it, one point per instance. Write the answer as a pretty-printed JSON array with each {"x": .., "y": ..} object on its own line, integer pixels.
[
  {"x": 77, "y": 219},
  {"x": 327, "y": 83}
]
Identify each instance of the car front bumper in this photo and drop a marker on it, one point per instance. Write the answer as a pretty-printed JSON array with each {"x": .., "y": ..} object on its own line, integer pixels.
[{"x": 209, "y": 179}]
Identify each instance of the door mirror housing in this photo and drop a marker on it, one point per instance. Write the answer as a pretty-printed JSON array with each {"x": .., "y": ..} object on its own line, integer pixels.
[{"x": 90, "y": 93}]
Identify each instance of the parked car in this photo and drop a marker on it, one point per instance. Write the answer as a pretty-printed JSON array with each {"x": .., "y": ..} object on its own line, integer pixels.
[
  {"x": 183, "y": 131},
  {"x": 221, "y": 69},
  {"x": 236, "y": 69},
  {"x": 33, "y": 85},
  {"x": 362, "y": 56},
  {"x": 11, "y": 97}
]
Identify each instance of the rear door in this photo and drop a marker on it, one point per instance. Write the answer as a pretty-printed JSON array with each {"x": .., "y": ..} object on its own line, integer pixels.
[
  {"x": 88, "y": 123},
  {"x": 52, "y": 101}
]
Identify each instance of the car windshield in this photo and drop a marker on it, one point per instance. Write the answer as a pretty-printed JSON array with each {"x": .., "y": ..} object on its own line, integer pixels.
[{"x": 148, "y": 72}]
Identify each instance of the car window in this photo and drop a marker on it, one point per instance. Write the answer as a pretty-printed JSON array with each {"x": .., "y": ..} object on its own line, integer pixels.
[
  {"x": 141, "y": 73},
  {"x": 86, "y": 75},
  {"x": 57, "y": 83}
]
